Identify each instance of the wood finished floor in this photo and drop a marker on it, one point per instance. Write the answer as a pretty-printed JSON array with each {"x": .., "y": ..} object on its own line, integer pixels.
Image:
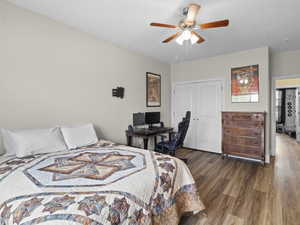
[{"x": 238, "y": 192}]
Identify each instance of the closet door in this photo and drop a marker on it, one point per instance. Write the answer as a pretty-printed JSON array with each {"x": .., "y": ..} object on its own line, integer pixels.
[
  {"x": 192, "y": 133},
  {"x": 182, "y": 102},
  {"x": 208, "y": 116},
  {"x": 203, "y": 99}
]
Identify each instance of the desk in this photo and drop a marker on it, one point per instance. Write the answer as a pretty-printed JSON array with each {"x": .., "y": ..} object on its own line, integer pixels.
[{"x": 147, "y": 133}]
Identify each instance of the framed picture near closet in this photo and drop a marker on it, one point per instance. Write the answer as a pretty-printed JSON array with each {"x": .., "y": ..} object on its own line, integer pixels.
[
  {"x": 153, "y": 90},
  {"x": 245, "y": 84}
]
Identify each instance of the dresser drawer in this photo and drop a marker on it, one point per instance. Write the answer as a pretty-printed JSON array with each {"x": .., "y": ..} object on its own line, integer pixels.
[
  {"x": 242, "y": 123},
  {"x": 247, "y": 120},
  {"x": 240, "y": 140},
  {"x": 239, "y": 116},
  {"x": 254, "y": 132},
  {"x": 244, "y": 151}
]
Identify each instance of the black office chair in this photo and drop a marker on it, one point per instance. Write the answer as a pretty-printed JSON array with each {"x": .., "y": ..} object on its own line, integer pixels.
[{"x": 177, "y": 140}]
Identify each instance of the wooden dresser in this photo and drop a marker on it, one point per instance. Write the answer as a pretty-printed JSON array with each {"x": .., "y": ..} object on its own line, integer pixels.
[{"x": 243, "y": 134}]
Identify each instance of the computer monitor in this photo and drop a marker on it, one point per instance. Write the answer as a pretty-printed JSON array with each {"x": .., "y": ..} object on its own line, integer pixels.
[
  {"x": 152, "y": 117},
  {"x": 138, "y": 119}
]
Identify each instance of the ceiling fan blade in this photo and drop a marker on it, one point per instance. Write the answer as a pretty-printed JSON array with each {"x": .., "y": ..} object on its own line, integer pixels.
[
  {"x": 193, "y": 10},
  {"x": 163, "y": 25},
  {"x": 200, "y": 40},
  {"x": 172, "y": 37},
  {"x": 221, "y": 23}
]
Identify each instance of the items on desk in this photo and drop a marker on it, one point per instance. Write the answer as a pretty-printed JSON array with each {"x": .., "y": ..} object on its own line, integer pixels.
[
  {"x": 138, "y": 119},
  {"x": 146, "y": 133},
  {"x": 148, "y": 118},
  {"x": 143, "y": 127},
  {"x": 152, "y": 118}
]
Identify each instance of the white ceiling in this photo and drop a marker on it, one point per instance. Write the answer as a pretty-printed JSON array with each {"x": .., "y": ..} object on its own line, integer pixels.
[{"x": 253, "y": 23}]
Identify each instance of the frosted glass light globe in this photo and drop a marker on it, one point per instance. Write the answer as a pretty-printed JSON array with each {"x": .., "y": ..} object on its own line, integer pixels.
[
  {"x": 194, "y": 39},
  {"x": 186, "y": 35}
]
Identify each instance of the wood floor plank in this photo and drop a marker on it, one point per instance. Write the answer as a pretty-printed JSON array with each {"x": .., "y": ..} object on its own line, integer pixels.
[
  {"x": 219, "y": 209},
  {"x": 263, "y": 179},
  {"x": 233, "y": 220},
  {"x": 256, "y": 213},
  {"x": 237, "y": 192}
]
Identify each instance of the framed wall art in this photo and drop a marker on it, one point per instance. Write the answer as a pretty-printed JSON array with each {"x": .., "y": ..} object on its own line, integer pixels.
[
  {"x": 153, "y": 90},
  {"x": 245, "y": 84}
]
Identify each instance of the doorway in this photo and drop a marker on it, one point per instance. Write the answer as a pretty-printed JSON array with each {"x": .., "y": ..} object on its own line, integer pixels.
[
  {"x": 204, "y": 99},
  {"x": 285, "y": 109}
]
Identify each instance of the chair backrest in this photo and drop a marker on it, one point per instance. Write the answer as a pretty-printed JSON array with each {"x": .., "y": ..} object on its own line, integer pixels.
[
  {"x": 182, "y": 130},
  {"x": 188, "y": 115},
  {"x": 187, "y": 124}
]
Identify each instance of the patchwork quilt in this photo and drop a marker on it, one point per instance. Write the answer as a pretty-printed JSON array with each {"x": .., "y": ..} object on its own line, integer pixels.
[{"x": 100, "y": 185}]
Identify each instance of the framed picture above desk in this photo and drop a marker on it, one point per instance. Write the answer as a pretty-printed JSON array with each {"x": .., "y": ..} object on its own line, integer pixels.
[{"x": 153, "y": 90}]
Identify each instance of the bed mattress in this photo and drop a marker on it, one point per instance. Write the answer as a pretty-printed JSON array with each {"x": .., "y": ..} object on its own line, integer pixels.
[{"x": 99, "y": 185}]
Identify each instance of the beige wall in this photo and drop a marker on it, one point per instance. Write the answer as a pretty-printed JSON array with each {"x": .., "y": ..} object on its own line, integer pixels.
[
  {"x": 52, "y": 74},
  {"x": 285, "y": 63},
  {"x": 220, "y": 68},
  {"x": 292, "y": 82}
]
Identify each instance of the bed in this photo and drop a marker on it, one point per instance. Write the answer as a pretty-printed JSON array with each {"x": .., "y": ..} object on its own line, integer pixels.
[{"x": 97, "y": 185}]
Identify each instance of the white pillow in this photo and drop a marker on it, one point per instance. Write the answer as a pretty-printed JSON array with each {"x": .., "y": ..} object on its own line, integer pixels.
[
  {"x": 79, "y": 136},
  {"x": 7, "y": 143},
  {"x": 25, "y": 142}
]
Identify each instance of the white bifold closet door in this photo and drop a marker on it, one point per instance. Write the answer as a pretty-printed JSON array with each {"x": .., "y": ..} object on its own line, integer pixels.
[
  {"x": 182, "y": 97},
  {"x": 203, "y": 99}
]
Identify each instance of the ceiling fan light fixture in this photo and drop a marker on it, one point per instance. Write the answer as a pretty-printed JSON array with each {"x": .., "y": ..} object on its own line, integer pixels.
[
  {"x": 194, "y": 39},
  {"x": 180, "y": 40},
  {"x": 186, "y": 35}
]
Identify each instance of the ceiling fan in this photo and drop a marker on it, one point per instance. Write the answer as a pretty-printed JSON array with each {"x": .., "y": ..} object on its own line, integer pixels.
[{"x": 188, "y": 25}]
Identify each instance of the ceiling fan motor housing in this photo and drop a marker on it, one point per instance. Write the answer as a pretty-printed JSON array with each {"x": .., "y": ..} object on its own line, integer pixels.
[
  {"x": 190, "y": 13},
  {"x": 185, "y": 11},
  {"x": 182, "y": 25}
]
